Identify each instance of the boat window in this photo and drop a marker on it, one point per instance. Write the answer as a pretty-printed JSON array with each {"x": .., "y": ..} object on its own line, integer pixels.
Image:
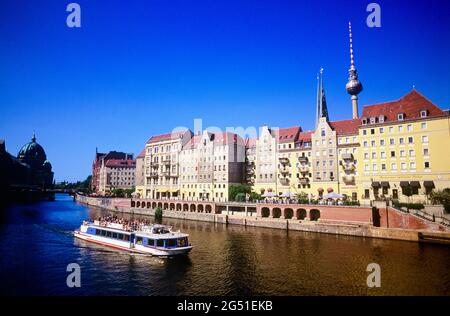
[
  {"x": 126, "y": 237},
  {"x": 171, "y": 243},
  {"x": 114, "y": 235},
  {"x": 103, "y": 233},
  {"x": 98, "y": 232},
  {"x": 139, "y": 240},
  {"x": 182, "y": 242},
  {"x": 120, "y": 236},
  {"x": 160, "y": 242},
  {"x": 150, "y": 242},
  {"x": 108, "y": 233}
]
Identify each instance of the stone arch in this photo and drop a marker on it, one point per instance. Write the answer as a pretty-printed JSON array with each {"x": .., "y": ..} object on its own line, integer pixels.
[
  {"x": 153, "y": 205},
  {"x": 276, "y": 212},
  {"x": 200, "y": 208},
  {"x": 185, "y": 207},
  {"x": 265, "y": 212},
  {"x": 288, "y": 213},
  {"x": 160, "y": 205},
  {"x": 179, "y": 206},
  {"x": 138, "y": 204},
  {"x": 314, "y": 214},
  {"x": 208, "y": 208},
  {"x": 172, "y": 206},
  {"x": 166, "y": 206},
  {"x": 301, "y": 214},
  {"x": 149, "y": 204},
  {"x": 133, "y": 204},
  {"x": 193, "y": 208}
]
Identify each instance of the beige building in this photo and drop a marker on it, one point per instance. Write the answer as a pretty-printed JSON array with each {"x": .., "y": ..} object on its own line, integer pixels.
[
  {"x": 116, "y": 174},
  {"x": 209, "y": 164},
  {"x": 139, "y": 176},
  {"x": 162, "y": 170}
]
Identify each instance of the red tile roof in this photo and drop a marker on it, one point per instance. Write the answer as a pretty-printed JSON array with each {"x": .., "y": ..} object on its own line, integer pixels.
[
  {"x": 289, "y": 134},
  {"x": 142, "y": 154},
  {"x": 411, "y": 104},
  {"x": 346, "y": 127},
  {"x": 305, "y": 136},
  {"x": 224, "y": 138},
  {"x": 168, "y": 136},
  {"x": 120, "y": 163},
  {"x": 250, "y": 142}
]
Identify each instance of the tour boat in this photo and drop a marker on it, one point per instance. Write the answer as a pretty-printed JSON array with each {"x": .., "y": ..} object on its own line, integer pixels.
[{"x": 157, "y": 240}]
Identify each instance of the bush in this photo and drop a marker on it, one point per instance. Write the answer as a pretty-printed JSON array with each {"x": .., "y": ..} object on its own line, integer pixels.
[
  {"x": 158, "y": 214},
  {"x": 442, "y": 197},
  {"x": 240, "y": 197},
  {"x": 409, "y": 206},
  {"x": 352, "y": 203},
  {"x": 255, "y": 197},
  {"x": 236, "y": 189}
]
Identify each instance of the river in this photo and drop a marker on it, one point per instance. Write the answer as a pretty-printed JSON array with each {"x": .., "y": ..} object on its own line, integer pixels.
[{"x": 36, "y": 245}]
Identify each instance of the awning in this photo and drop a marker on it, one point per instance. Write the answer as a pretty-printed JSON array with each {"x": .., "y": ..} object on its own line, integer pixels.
[
  {"x": 375, "y": 184},
  {"x": 385, "y": 184},
  {"x": 415, "y": 184},
  {"x": 404, "y": 184},
  {"x": 173, "y": 190},
  {"x": 429, "y": 184}
]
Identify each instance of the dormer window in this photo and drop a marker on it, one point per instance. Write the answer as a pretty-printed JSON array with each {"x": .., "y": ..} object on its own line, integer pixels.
[
  {"x": 364, "y": 121},
  {"x": 372, "y": 120},
  {"x": 400, "y": 116},
  {"x": 381, "y": 118},
  {"x": 423, "y": 113}
]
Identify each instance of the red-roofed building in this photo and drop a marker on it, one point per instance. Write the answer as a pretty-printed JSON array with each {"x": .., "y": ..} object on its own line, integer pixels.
[{"x": 114, "y": 170}]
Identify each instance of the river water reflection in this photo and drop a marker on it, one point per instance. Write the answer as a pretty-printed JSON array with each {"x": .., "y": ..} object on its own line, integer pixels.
[{"x": 36, "y": 245}]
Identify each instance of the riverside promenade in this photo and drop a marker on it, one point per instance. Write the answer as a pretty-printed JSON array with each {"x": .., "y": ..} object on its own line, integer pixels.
[{"x": 379, "y": 221}]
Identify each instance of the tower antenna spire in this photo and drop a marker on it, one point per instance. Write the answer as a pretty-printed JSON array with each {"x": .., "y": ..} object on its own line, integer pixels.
[{"x": 354, "y": 86}]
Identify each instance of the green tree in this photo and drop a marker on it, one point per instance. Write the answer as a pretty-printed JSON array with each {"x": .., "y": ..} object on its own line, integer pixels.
[
  {"x": 158, "y": 214},
  {"x": 236, "y": 189},
  {"x": 442, "y": 197},
  {"x": 120, "y": 193}
]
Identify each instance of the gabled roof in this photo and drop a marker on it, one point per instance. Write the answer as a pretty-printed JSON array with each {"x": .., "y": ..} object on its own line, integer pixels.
[
  {"x": 305, "y": 136},
  {"x": 289, "y": 134},
  {"x": 168, "y": 136},
  {"x": 346, "y": 127},
  {"x": 410, "y": 105}
]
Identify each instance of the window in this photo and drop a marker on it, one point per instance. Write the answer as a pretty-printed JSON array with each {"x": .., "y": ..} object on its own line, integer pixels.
[
  {"x": 423, "y": 125},
  {"x": 400, "y": 116},
  {"x": 114, "y": 235},
  {"x": 391, "y": 129},
  {"x": 381, "y": 142},
  {"x": 423, "y": 113},
  {"x": 383, "y": 166},
  {"x": 412, "y": 165},
  {"x": 97, "y": 232},
  {"x": 374, "y": 167},
  {"x": 374, "y": 155},
  {"x": 160, "y": 243},
  {"x": 365, "y": 143},
  {"x": 427, "y": 164},
  {"x": 139, "y": 240},
  {"x": 402, "y": 153},
  {"x": 410, "y": 140},
  {"x": 409, "y": 127},
  {"x": 366, "y": 155},
  {"x": 425, "y": 139},
  {"x": 366, "y": 167},
  {"x": 372, "y": 120},
  {"x": 364, "y": 132},
  {"x": 391, "y": 141},
  {"x": 381, "y": 119},
  {"x": 412, "y": 153},
  {"x": 383, "y": 155},
  {"x": 372, "y": 131},
  {"x": 425, "y": 152},
  {"x": 403, "y": 166},
  {"x": 171, "y": 243},
  {"x": 392, "y": 154},
  {"x": 394, "y": 166},
  {"x": 381, "y": 130},
  {"x": 401, "y": 141},
  {"x": 322, "y": 132},
  {"x": 400, "y": 128}
]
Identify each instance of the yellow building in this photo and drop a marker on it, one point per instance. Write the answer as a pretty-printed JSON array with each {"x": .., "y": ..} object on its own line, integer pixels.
[{"x": 405, "y": 146}]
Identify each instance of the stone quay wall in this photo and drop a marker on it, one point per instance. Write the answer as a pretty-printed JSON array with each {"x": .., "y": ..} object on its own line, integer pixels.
[{"x": 394, "y": 226}]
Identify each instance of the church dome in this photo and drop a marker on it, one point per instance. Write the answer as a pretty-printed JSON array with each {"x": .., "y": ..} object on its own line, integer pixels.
[{"x": 32, "y": 153}]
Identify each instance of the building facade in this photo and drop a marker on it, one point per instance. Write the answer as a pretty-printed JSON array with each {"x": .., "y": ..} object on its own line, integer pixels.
[{"x": 114, "y": 170}]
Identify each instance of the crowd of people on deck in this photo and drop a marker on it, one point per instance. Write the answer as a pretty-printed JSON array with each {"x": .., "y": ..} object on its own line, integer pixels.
[{"x": 127, "y": 224}]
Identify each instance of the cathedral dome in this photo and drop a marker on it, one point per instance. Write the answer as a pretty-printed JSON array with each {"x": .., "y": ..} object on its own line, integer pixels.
[{"x": 32, "y": 153}]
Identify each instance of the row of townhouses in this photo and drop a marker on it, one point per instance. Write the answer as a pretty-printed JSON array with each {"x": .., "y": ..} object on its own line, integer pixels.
[{"x": 392, "y": 150}]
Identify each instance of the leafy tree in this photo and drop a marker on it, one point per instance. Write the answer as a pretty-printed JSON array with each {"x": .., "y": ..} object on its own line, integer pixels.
[
  {"x": 442, "y": 197},
  {"x": 255, "y": 196},
  {"x": 236, "y": 189},
  {"x": 158, "y": 214},
  {"x": 118, "y": 193}
]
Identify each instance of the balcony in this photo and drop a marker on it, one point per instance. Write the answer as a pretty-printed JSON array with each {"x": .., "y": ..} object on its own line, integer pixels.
[
  {"x": 303, "y": 181},
  {"x": 348, "y": 179},
  {"x": 284, "y": 181},
  {"x": 155, "y": 165},
  {"x": 348, "y": 157},
  {"x": 284, "y": 161},
  {"x": 304, "y": 169},
  {"x": 303, "y": 160}
]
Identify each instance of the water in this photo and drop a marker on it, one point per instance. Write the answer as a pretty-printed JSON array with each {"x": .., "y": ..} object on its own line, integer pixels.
[{"x": 36, "y": 245}]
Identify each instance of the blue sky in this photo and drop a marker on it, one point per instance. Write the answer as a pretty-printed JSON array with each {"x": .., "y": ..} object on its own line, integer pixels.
[{"x": 139, "y": 68}]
